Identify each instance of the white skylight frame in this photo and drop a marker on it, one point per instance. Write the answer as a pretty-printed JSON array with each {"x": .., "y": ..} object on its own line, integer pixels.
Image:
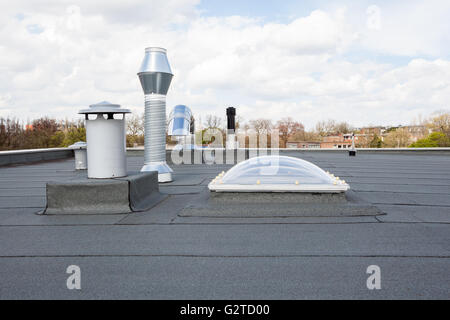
[{"x": 277, "y": 174}]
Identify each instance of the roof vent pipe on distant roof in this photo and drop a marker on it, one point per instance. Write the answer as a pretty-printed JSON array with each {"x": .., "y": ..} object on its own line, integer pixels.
[
  {"x": 231, "y": 128},
  {"x": 352, "y": 151},
  {"x": 231, "y": 120},
  {"x": 155, "y": 76}
]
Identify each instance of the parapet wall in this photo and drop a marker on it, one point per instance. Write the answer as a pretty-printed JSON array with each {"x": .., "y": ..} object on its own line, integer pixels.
[
  {"x": 33, "y": 155},
  {"x": 222, "y": 156},
  {"x": 36, "y": 155}
]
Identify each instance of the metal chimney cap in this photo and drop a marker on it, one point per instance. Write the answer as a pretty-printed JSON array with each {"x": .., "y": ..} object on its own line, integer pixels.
[
  {"x": 155, "y": 61},
  {"x": 104, "y": 107},
  {"x": 231, "y": 111},
  {"x": 155, "y": 49},
  {"x": 105, "y": 104},
  {"x": 78, "y": 145}
]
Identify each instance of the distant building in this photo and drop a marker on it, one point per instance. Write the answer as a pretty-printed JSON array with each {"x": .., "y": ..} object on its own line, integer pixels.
[
  {"x": 379, "y": 131},
  {"x": 363, "y": 137},
  {"x": 337, "y": 142},
  {"x": 303, "y": 144},
  {"x": 330, "y": 142},
  {"x": 416, "y": 132}
]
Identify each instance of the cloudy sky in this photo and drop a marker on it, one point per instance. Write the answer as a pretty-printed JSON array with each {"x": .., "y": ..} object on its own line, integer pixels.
[{"x": 365, "y": 62}]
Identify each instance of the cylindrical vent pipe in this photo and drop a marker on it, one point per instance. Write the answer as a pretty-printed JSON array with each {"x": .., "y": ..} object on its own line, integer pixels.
[
  {"x": 105, "y": 136},
  {"x": 192, "y": 125},
  {"x": 155, "y": 133},
  {"x": 231, "y": 121},
  {"x": 231, "y": 128},
  {"x": 80, "y": 153},
  {"x": 180, "y": 121},
  {"x": 155, "y": 76},
  {"x": 352, "y": 151}
]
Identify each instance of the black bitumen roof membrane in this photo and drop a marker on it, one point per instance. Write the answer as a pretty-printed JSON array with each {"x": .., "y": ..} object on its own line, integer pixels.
[{"x": 174, "y": 252}]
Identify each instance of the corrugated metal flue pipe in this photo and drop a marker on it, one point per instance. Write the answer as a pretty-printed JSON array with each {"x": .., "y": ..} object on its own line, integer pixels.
[
  {"x": 155, "y": 133},
  {"x": 155, "y": 76}
]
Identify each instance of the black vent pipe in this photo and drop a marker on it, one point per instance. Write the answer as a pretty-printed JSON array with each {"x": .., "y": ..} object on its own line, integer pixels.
[{"x": 231, "y": 121}]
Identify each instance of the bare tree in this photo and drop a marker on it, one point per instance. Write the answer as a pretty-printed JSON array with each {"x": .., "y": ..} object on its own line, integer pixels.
[
  {"x": 135, "y": 130},
  {"x": 288, "y": 127},
  {"x": 239, "y": 122},
  {"x": 135, "y": 125},
  {"x": 399, "y": 138},
  {"x": 342, "y": 128},
  {"x": 261, "y": 126},
  {"x": 213, "y": 121},
  {"x": 440, "y": 122},
  {"x": 326, "y": 127},
  {"x": 331, "y": 127},
  {"x": 306, "y": 136}
]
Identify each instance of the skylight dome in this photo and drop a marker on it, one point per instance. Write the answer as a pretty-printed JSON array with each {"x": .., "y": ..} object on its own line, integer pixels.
[{"x": 277, "y": 174}]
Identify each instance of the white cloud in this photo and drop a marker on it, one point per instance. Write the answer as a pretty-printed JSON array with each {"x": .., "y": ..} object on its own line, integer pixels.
[
  {"x": 373, "y": 17},
  {"x": 83, "y": 52},
  {"x": 408, "y": 28}
]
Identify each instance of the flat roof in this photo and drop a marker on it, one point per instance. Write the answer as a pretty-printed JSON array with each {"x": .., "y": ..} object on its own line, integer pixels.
[{"x": 164, "y": 254}]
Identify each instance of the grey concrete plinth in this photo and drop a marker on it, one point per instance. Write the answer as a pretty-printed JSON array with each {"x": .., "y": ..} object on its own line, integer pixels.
[
  {"x": 136, "y": 192},
  {"x": 263, "y": 205},
  {"x": 277, "y": 197}
]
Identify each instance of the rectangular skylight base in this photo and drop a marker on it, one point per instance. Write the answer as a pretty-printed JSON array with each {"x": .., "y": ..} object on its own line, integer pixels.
[{"x": 217, "y": 187}]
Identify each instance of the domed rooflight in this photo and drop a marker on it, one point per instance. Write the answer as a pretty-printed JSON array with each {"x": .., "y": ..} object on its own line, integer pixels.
[{"x": 277, "y": 174}]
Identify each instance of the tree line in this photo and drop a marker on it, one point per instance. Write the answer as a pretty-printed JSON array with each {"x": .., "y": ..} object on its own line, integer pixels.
[
  {"x": 40, "y": 133},
  {"x": 433, "y": 131},
  {"x": 51, "y": 133}
]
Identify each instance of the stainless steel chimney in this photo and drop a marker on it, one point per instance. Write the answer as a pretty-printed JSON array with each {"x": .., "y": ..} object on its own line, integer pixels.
[
  {"x": 180, "y": 121},
  {"x": 155, "y": 76}
]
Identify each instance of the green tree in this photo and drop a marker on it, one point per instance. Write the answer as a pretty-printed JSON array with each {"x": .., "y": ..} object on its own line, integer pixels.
[
  {"x": 42, "y": 131},
  {"x": 57, "y": 139},
  {"x": 440, "y": 123},
  {"x": 74, "y": 135},
  {"x": 132, "y": 140},
  {"x": 434, "y": 140},
  {"x": 376, "y": 142},
  {"x": 12, "y": 134}
]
